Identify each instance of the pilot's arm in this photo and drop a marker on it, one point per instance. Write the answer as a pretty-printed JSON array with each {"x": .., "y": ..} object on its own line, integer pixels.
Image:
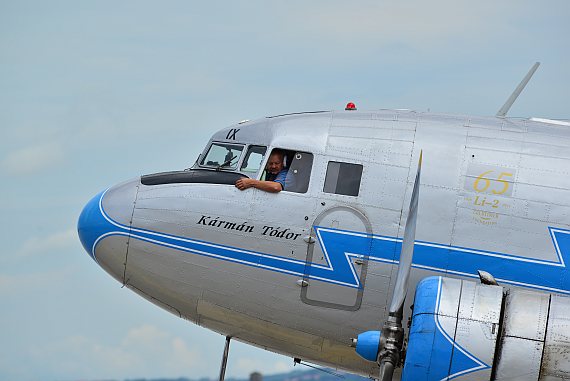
[
  {"x": 273, "y": 186},
  {"x": 268, "y": 186}
]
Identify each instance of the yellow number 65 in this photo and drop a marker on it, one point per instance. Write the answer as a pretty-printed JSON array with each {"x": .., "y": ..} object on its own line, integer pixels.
[
  {"x": 482, "y": 183},
  {"x": 503, "y": 181},
  {"x": 486, "y": 183}
]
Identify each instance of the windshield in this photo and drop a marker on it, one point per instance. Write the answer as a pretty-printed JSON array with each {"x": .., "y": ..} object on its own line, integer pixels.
[{"x": 221, "y": 155}]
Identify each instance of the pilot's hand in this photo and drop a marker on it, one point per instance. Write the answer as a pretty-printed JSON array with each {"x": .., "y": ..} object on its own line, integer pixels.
[{"x": 243, "y": 184}]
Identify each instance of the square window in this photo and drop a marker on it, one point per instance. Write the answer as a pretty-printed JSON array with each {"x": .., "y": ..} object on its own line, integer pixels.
[{"x": 343, "y": 178}]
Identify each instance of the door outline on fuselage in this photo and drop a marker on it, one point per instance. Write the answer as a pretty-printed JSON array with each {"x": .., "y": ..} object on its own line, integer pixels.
[{"x": 312, "y": 240}]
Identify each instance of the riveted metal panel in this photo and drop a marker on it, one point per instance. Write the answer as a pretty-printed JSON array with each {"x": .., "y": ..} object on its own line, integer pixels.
[
  {"x": 556, "y": 359},
  {"x": 480, "y": 302},
  {"x": 552, "y": 378},
  {"x": 513, "y": 350},
  {"x": 477, "y": 340},
  {"x": 450, "y": 295},
  {"x": 526, "y": 314},
  {"x": 477, "y": 330}
]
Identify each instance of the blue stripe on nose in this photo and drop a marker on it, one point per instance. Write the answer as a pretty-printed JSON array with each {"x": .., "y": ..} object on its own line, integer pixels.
[{"x": 92, "y": 224}]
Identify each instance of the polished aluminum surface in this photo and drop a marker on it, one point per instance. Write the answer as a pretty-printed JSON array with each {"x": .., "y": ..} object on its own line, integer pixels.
[
  {"x": 493, "y": 185},
  {"x": 556, "y": 360}
]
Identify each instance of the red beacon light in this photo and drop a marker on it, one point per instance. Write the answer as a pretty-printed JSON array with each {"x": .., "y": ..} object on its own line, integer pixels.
[{"x": 350, "y": 106}]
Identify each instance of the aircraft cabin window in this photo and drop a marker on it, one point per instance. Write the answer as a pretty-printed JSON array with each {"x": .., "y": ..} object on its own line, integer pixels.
[
  {"x": 296, "y": 170},
  {"x": 222, "y": 155},
  {"x": 253, "y": 159},
  {"x": 343, "y": 178}
]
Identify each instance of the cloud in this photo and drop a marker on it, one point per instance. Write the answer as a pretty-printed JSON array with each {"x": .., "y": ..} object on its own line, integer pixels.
[
  {"x": 243, "y": 366},
  {"x": 32, "y": 159},
  {"x": 56, "y": 241},
  {"x": 380, "y": 32},
  {"x": 415, "y": 22},
  {"x": 145, "y": 351},
  {"x": 21, "y": 284},
  {"x": 149, "y": 342}
]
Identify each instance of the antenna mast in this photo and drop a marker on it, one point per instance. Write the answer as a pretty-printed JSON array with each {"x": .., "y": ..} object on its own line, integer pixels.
[{"x": 503, "y": 111}]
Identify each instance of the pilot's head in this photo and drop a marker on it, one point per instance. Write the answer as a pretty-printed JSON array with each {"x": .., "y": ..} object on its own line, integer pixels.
[{"x": 275, "y": 163}]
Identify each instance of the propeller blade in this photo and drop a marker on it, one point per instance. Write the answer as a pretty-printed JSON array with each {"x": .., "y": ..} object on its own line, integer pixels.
[
  {"x": 401, "y": 287},
  {"x": 392, "y": 338}
]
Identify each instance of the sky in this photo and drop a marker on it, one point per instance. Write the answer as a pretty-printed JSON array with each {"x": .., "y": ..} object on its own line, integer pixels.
[{"x": 94, "y": 93}]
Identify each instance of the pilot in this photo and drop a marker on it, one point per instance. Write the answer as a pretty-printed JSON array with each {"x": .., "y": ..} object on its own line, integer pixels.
[{"x": 275, "y": 177}]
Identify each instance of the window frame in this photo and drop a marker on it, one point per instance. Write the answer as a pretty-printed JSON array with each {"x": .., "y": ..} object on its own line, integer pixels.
[{"x": 261, "y": 168}]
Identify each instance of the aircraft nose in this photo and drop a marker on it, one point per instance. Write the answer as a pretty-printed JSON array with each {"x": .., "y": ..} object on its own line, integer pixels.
[
  {"x": 104, "y": 225},
  {"x": 91, "y": 224}
]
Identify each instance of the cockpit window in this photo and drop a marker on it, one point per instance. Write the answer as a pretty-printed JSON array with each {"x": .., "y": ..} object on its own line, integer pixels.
[
  {"x": 253, "y": 159},
  {"x": 222, "y": 155},
  {"x": 294, "y": 172}
]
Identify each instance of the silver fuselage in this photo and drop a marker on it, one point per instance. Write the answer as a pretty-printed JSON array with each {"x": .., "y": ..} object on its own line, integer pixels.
[{"x": 260, "y": 267}]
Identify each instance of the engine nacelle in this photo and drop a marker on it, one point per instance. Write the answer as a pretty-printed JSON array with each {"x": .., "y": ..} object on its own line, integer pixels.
[{"x": 468, "y": 331}]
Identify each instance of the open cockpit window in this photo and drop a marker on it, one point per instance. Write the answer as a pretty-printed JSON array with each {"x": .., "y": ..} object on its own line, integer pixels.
[
  {"x": 253, "y": 159},
  {"x": 295, "y": 171},
  {"x": 222, "y": 156}
]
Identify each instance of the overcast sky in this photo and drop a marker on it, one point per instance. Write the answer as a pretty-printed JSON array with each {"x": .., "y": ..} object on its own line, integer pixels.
[{"x": 95, "y": 93}]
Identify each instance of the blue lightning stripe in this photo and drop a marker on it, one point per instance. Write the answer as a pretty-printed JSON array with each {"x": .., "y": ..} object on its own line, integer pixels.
[{"x": 341, "y": 246}]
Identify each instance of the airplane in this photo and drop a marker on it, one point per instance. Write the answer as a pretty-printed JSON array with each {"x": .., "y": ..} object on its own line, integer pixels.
[{"x": 411, "y": 245}]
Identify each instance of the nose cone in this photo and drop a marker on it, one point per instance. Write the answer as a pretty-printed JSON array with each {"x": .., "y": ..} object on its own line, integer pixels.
[
  {"x": 92, "y": 224},
  {"x": 104, "y": 226}
]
